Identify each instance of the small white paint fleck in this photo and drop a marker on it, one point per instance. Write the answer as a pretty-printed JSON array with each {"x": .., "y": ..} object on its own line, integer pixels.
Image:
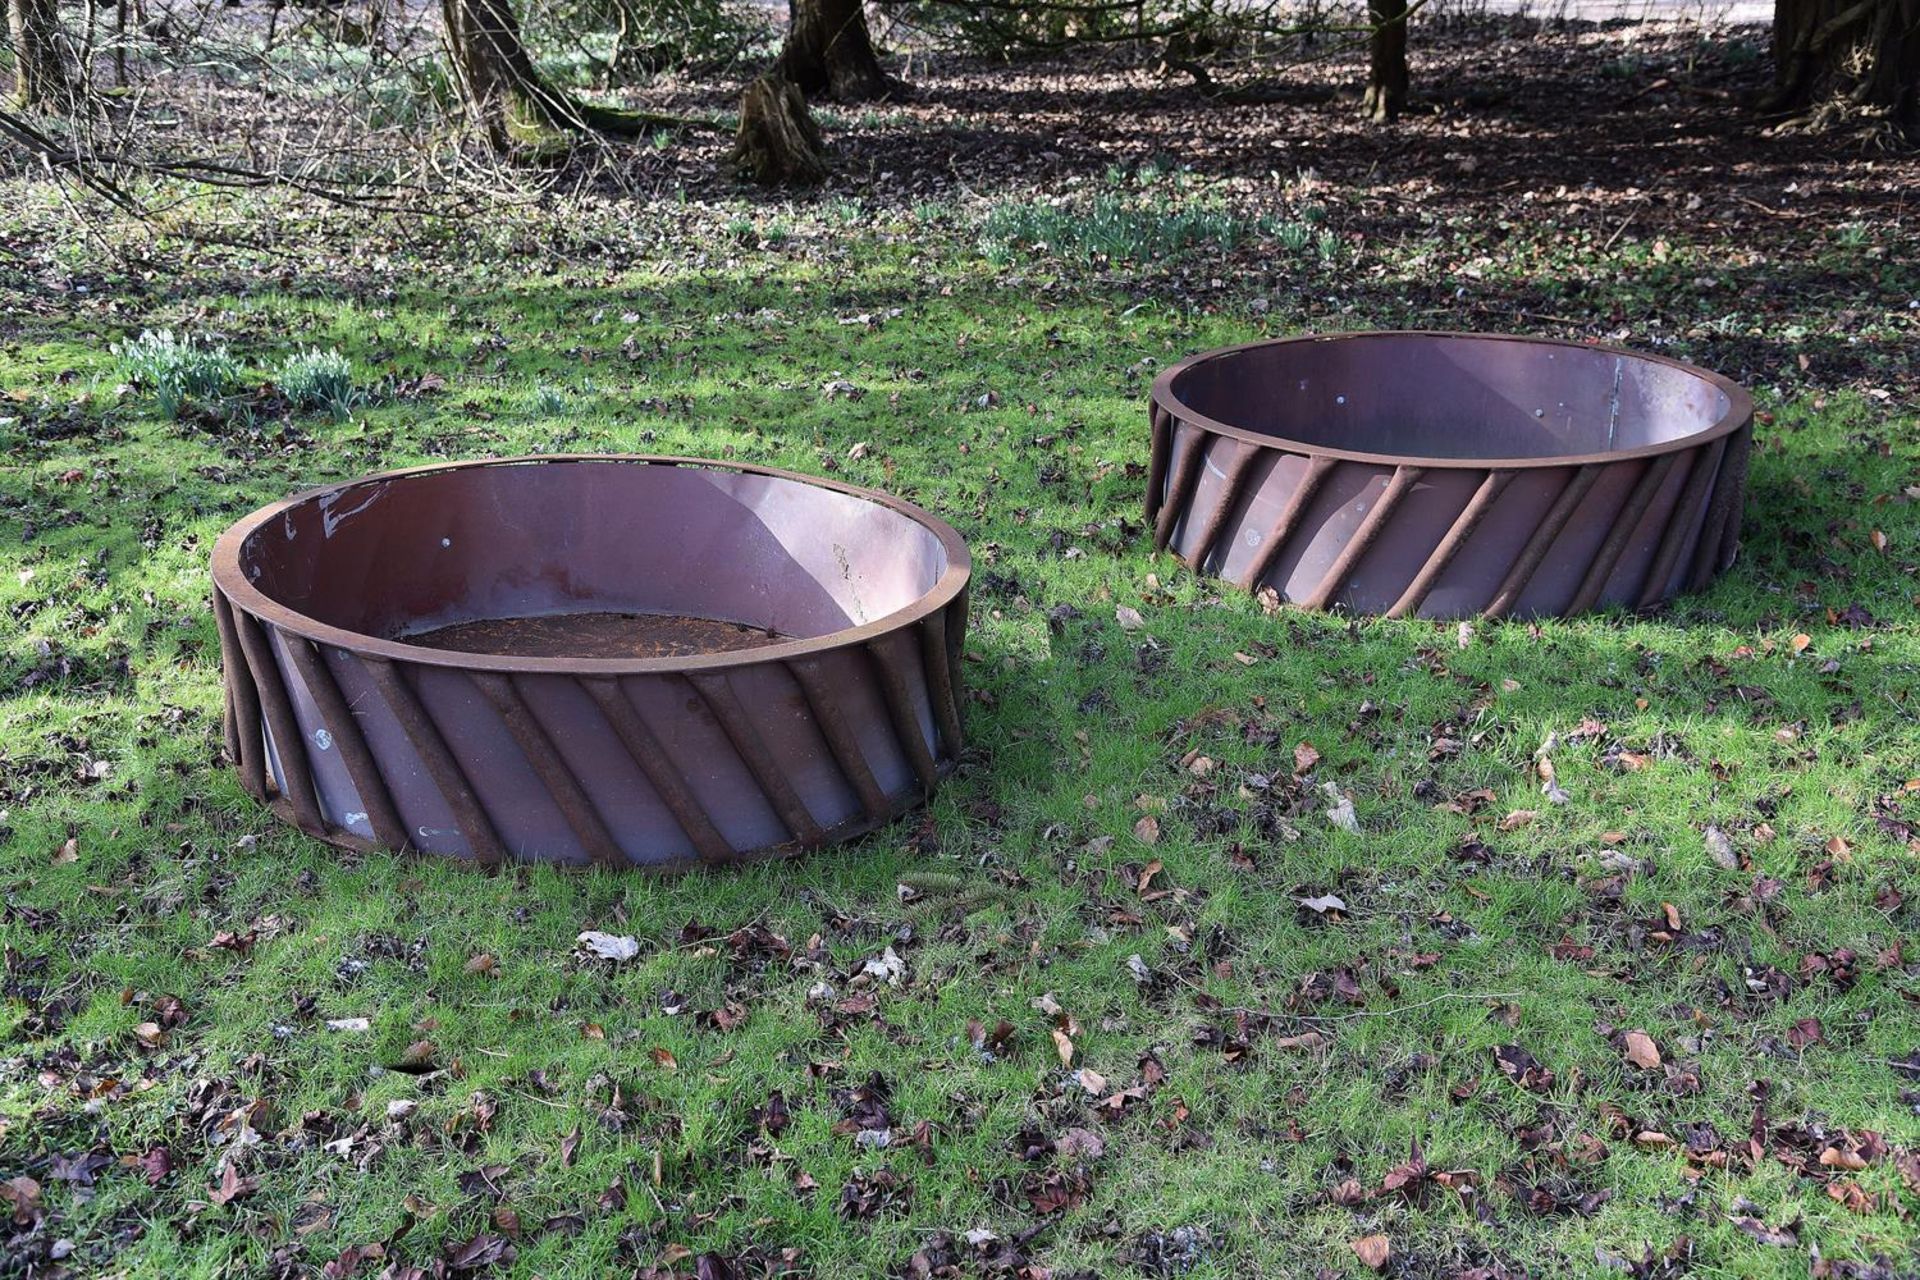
[
  {"x": 1339, "y": 399},
  {"x": 1253, "y": 537},
  {"x": 1539, "y": 413},
  {"x": 356, "y": 817},
  {"x": 322, "y": 739},
  {"x": 446, "y": 542}
]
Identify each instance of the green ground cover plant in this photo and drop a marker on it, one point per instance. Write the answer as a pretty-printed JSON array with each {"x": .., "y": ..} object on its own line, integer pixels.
[
  {"x": 316, "y": 379},
  {"x": 177, "y": 369}
]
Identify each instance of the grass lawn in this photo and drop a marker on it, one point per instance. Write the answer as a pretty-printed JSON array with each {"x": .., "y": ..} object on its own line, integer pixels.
[{"x": 1649, "y": 1023}]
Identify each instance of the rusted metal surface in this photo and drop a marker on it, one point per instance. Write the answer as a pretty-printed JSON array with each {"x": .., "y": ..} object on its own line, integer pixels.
[
  {"x": 1445, "y": 475},
  {"x": 619, "y": 661}
]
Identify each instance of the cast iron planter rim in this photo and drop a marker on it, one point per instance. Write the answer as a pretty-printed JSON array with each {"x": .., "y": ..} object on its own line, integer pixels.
[
  {"x": 229, "y": 579},
  {"x": 1739, "y": 404}
]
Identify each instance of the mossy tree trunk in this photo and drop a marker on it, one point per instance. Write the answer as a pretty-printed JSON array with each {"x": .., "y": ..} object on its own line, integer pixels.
[
  {"x": 41, "y": 77},
  {"x": 521, "y": 114},
  {"x": 512, "y": 104},
  {"x": 1387, "y": 63},
  {"x": 829, "y": 53},
  {"x": 1831, "y": 55}
]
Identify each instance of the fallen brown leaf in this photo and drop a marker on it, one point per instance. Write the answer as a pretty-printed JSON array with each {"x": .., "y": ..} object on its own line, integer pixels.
[
  {"x": 1373, "y": 1251},
  {"x": 232, "y": 1186},
  {"x": 1147, "y": 873},
  {"x": 1641, "y": 1051}
]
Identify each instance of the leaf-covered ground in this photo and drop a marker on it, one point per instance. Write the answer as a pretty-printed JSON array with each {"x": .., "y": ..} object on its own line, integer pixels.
[{"x": 1609, "y": 972}]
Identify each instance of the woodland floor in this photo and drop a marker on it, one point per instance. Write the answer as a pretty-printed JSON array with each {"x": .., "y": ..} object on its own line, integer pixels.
[{"x": 1665, "y": 1024}]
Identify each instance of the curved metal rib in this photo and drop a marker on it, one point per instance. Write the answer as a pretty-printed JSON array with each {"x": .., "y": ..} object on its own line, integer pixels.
[
  {"x": 1160, "y": 422},
  {"x": 652, "y": 758},
  {"x": 544, "y": 758},
  {"x": 1542, "y": 541},
  {"x": 732, "y": 717},
  {"x": 841, "y": 742},
  {"x": 938, "y": 661},
  {"x": 1726, "y": 515},
  {"x": 1652, "y": 476},
  {"x": 1455, "y": 538},
  {"x": 1232, "y": 485},
  {"x": 439, "y": 761},
  {"x": 906, "y": 720},
  {"x": 364, "y": 772},
  {"x": 243, "y": 704},
  {"x": 1283, "y": 529},
  {"x": 1191, "y": 443},
  {"x": 289, "y": 747},
  {"x": 1704, "y": 465},
  {"x": 1404, "y": 478}
]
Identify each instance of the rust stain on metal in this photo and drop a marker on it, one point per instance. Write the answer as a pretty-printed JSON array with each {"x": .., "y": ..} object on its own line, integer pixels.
[
  {"x": 613, "y": 660},
  {"x": 1448, "y": 475}
]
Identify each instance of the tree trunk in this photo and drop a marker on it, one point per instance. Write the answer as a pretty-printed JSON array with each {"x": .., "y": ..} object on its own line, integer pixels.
[
  {"x": 1387, "y": 67},
  {"x": 522, "y": 114},
  {"x": 828, "y": 53},
  {"x": 1839, "y": 55},
  {"x": 518, "y": 111},
  {"x": 778, "y": 143},
  {"x": 40, "y": 71}
]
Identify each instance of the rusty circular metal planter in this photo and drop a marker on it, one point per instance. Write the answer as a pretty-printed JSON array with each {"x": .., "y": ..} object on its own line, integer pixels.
[
  {"x": 1449, "y": 475},
  {"x": 616, "y": 660}
]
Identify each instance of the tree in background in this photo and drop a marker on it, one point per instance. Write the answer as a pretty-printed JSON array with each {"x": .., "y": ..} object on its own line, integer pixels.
[
  {"x": 516, "y": 108},
  {"x": 520, "y": 112},
  {"x": 1387, "y": 60},
  {"x": 41, "y": 78},
  {"x": 1838, "y": 54},
  {"x": 829, "y": 53}
]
